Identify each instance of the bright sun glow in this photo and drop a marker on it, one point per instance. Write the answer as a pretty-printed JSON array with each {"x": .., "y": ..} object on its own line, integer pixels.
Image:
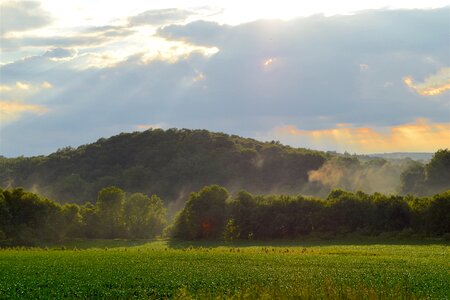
[{"x": 268, "y": 62}]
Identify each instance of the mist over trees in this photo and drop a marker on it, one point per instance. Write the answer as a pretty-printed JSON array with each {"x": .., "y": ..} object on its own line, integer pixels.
[
  {"x": 390, "y": 176},
  {"x": 350, "y": 172}
]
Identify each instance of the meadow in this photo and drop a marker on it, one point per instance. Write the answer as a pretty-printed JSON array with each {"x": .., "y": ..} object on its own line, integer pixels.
[{"x": 243, "y": 270}]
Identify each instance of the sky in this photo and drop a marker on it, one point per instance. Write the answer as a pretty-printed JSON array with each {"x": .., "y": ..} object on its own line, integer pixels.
[{"x": 355, "y": 76}]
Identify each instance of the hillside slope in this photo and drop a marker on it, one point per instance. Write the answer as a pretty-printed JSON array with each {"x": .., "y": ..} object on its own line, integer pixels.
[{"x": 170, "y": 163}]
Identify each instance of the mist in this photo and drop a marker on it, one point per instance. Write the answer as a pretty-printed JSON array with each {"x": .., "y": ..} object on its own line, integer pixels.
[{"x": 352, "y": 174}]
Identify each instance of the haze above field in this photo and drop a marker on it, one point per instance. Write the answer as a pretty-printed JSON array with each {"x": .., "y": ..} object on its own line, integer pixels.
[{"x": 362, "y": 77}]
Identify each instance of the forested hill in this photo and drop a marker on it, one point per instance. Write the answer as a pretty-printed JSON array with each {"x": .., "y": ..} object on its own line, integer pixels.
[{"x": 170, "y": 163}]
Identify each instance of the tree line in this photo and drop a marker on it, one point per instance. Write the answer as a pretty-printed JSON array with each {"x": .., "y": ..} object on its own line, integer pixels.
[
  {"x": 28, "y": 219},
  {"x": 213, "y": 214}
]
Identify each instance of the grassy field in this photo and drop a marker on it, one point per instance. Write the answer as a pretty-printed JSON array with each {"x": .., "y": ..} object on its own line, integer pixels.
[{"x": 163, "y": 269}]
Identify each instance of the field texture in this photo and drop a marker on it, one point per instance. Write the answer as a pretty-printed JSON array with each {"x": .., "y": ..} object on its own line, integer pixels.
[{"x": 164, "y": 269}]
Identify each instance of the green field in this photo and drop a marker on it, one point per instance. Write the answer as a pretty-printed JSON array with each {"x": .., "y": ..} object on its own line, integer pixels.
[{"x": 164, "y": 269}]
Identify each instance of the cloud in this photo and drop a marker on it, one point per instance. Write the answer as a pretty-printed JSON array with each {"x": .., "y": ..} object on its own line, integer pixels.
[
  {"x": 11, "y": 111},
  {"x": 418, "y": 136},
  {"x": 14, "y": 98},
  {"x": 90, "y": 37},
  {"x": 160, "y": 17},
  {"x": 17, "y": 43},
  {"x": 22, "y": 90},
  {"x": 317, "y": 78},
  {"x": 22, "y": 15},
  {"x": 46, "y": 85},
  {"x": 60, "y": 53},
  {"x": 198, "y": 32},
  {"x": 433, "y": 85},
  {"x": 18, "y": 86}
]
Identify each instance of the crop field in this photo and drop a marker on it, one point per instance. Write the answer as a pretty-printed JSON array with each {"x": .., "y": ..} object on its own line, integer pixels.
[{"x": 165, "y": 269}]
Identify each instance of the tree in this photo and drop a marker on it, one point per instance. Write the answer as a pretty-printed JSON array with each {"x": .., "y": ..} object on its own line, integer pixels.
[
  {"x": 438, "y": 221},
  {"x": 72, "y": 184},
  {"x": 72, "y": 220},
  {"x": 242, "y": 210},
  {"x": 204, "y": 215},
  {"x": 30, "y": 218},
  {"x": 413, "y": 180},
  {"x": 438, "y": 171},
  {"x": 110, "y": 204},
  {"x": 391, "y": 213},
  {"x": 4, "y": 217},
  {"x": 144, "y": 217},
  {"x": 91, "y": 225},
  {"x": 349, "y": 212}
]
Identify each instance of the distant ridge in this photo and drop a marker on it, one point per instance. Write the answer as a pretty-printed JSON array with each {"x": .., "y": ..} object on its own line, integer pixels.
[{"x": 419, "y": 156}]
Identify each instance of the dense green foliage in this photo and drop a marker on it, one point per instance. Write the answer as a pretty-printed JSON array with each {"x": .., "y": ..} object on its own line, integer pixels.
[
  {"x": 433, "y": 177},
  {"x": 169, "y": 163},
  {"x": 26, "y": 218},
  {"x": 212, "y": 213},
  {"x": 204, "y": 214},
  {"x": 159, "y": 270}
]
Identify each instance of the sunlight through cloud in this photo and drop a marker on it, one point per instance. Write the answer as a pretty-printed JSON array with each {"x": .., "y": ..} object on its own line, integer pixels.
[
  {"x": 11, "y": 111},
  {"x": 433, "y": 85},
  {"x": 268, "y": 62}
]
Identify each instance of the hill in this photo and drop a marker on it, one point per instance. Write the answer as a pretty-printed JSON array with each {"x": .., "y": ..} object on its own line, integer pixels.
[{"x": 170, "y": 163}]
